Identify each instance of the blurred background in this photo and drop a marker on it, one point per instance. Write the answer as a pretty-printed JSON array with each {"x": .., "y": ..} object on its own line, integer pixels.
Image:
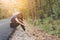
[{"x": 44, "y": 14}]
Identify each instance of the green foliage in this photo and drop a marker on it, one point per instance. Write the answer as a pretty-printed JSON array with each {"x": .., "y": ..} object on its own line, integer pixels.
[
  {"x": 48, "y": 18},
  {"x": 46, "y": 26}
]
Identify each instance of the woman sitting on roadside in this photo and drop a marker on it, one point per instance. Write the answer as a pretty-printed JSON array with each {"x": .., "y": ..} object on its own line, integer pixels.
[{"x": 16, "y": 20}]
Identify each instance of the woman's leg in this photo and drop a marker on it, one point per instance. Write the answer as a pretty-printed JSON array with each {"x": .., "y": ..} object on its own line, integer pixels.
[
  {"x": 23, "y": 27},
  {"x": 13, "y": 25}
]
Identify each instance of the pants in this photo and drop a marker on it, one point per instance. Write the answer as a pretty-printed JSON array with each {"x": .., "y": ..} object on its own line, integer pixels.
[{"x": 14, "y": 25}]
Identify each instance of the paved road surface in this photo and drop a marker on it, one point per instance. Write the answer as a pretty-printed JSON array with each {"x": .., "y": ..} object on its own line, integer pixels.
[{"x": 5, "y": 29}]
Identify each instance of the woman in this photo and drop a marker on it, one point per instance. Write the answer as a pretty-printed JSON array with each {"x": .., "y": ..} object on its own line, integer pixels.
[{"x": 17, "y": 20}]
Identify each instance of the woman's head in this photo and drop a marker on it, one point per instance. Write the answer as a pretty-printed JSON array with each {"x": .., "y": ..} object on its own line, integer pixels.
[
  {"x": 20, "y": 15},
  {"x": 16, "y": 13}
]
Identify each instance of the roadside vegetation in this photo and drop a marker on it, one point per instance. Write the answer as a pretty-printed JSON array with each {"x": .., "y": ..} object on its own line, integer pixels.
[{"x": 49, "y": 26}]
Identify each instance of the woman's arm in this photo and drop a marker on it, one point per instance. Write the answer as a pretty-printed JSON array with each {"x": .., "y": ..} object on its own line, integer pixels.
[{"x": 19, "y": 21}]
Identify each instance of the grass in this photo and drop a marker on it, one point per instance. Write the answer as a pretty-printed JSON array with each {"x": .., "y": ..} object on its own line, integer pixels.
[{"x": 46, "y": 26}]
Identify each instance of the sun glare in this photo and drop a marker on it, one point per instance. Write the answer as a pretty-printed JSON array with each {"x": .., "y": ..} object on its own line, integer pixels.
[{"x": 13, "y": 4}]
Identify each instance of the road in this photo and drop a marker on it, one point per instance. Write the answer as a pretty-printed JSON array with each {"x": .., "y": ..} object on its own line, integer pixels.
[{"x": 5, "y": 29}]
